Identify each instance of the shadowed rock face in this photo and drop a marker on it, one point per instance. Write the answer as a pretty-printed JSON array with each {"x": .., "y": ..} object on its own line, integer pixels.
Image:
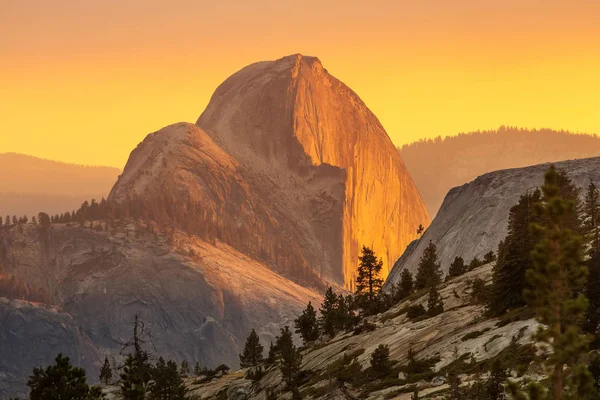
[
  {"x": 278, "y": 118},
  {"x": 198, "y": 300},
  {"x": 473, "y": 218}
]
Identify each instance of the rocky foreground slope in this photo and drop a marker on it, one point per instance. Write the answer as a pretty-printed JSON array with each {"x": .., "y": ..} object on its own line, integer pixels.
[
  {"x": 473, "y": 218},
  {"x": 462, "y": 334},
  {"x": 199, "y": 301},
  {"x": 288, "y": 165}
]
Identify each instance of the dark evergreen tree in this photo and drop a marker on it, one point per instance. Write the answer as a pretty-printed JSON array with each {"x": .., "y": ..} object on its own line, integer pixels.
[
  {"x": 489, "y": 257},
  {"x": 555, "y": 282},
  {"x": 272, "y": 355},
  {"x": 457, "y": 267},
  {"x": 455, "y": 392},
  {"x": 380, "y": 361},
  {"x": 291, "y": 359},
  {"x": 329, "y": 308},
  {"x": 197, "y": 369},
  {"x": 61, "y": 381},
  {"x": 106, "y": 372},
  {"x": 184, "y": 370},
  {"x": 135, "y": 376},
  {"x": 167, "y": 382},
  {"x": 591, "y": 217},
  {"x": 508, "y": 276},
  {"x": 253, "y": 351},
  {"x": 368, "y": 281},
  {"x": 405, "y": 286},
  {"x": 496, "y": 380},
  {"x": 420, "y": 229},
  {"x": 306, "y": 324},
  {"x": 428, "y": 272},
  {"x": 435, "y": 304}
]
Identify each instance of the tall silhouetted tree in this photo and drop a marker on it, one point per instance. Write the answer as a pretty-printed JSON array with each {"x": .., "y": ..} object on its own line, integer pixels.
[
  {"x": 253, "y": 351},
  {"x": 106, "y": 372},
  {"x": 61, "y": 381},
  {"x": 435, "y": 304},
  {"x": 428, "y": 272},
  {"x": 514, "y": 256},
  {"x": 328, "y": 311},
  {"x": 406, "y": 285},
  {"x": 555, "y": 282},
  {"x": 306, "y": 324},
  {"x": 457, "y": 267},
  {"x": 368, "y": 282},
  {"x": 167, "y": 382}
]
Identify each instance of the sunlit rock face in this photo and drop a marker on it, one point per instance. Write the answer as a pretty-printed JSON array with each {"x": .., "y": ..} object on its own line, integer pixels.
[
  {"x": 282, "y": 119},
  {"x": 473, "y": 218}
]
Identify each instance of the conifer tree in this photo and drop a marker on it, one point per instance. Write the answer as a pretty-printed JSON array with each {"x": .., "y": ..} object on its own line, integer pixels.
[
  {"x": 435, "y": 304},
  {"x": 306, "y": 324},
  {"x": 106, "y": 372},
  {"x": 135, "y": 377},
  {"x": 272, "y": 355},
  {"x": 591, "y": 213},
  {"x": 291, "y": 359},
  {"x": 253, "y": 351},
  {"x": 184, "y": 370},
  {"x": 167, "y": 382},
  {"x": 555, "y": 281},
  {"x": 489, "y": 257},
  {"x": 368, "y": 282},
  {"x": 328, "y": 310},
  {"x": 380, "y": 361},
  {"x": 455, "y": 392},
  {"x": 514, "y": 256},
  {"x": 197, "y": 369},
  {"x": 457, "y": 267},
  {"x": 428, "y": 272},
  {"x": 496, "y": 380},
  {"x": 61, "y": 381},
  {"x": 405, "y": 286}
]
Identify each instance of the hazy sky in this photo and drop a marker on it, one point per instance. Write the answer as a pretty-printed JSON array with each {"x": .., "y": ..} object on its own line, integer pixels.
[{"x": 85, "y": 80}]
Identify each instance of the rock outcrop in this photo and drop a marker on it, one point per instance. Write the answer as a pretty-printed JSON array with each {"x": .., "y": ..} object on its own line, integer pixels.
[
  {"x": 198, "y": 300},
  {"x": 291, "y": 166},
  {"x": 473, "y": 218}
]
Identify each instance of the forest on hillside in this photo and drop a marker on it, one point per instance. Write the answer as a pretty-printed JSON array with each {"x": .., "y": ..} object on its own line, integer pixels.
[{"x": 437, "y": 165}]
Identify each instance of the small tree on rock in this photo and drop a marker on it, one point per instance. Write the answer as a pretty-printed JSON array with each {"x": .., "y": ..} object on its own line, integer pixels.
[
  {"x": 253, "y": 351},
  {"x": 106, "y": 372},
  {"x": 380, "y": 361},
  {"x": 435, "y": 304},
  {"x": 368, "y": 282},
  {"x": 457, "y": 267},
  {"x": 306, "y": 324},
  {"x": 428, "y": 272}
]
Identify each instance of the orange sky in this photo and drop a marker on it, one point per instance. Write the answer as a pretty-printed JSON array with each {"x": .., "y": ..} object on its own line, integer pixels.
[{"x": 85, "y": 81}]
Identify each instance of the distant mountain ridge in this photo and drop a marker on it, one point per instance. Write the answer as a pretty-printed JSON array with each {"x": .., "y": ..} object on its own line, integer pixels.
[
  {"x": 437, "y": 165},
  {"x": 31, "y": 184}
]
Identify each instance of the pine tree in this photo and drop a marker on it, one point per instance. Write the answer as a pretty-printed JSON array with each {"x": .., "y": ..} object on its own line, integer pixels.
[
  {"x": 184, "y": 370},
  {"x": 272, "y": 355},
  {"x": 253, "y": 351},
  {"x": 455, "y": 392},
  {"x": 489, "y": 257},
  {"x": 197, "y": 369},
  {"x": 428, "y": 272},
  {"x": 457, "y": 267},
  {"x": 368, "y": 282},
  {"x": 508, "y": 275},
  {"x": 555, "y": 281},
  {"x": 306, "y": 324},
  {"x": 496, "y": 380},
  {"x": 380, "y": 361},
  {"x": 167, "y": 382},
  {"x": 405, "y": 286},
  {"x": 435, "y": 304},
  {"x": 291, "y": 359},
  {"x": 328, "y": 310},
  {"x": 106, "y": 372},
  {"x": 135, "y": 377},
  {"x": 591, "y": 222},
  {"x": 60, "y": 381}
]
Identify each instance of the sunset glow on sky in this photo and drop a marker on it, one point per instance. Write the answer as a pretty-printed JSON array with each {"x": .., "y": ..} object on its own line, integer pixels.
[{"x": 85, "y": 81}]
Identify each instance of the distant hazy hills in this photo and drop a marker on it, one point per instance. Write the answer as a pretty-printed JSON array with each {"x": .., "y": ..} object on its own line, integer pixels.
[
  {"x": 438, "y": 165},
  {"x": 29, "y": 184}
]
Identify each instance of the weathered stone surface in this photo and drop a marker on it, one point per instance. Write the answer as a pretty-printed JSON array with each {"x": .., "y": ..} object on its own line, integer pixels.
[
  {"x": 32, "y": 335},
  {"x": 198, "y": 300},
  {"x": 473, "y": 218},
  {"x": 279, "y": 118}
]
